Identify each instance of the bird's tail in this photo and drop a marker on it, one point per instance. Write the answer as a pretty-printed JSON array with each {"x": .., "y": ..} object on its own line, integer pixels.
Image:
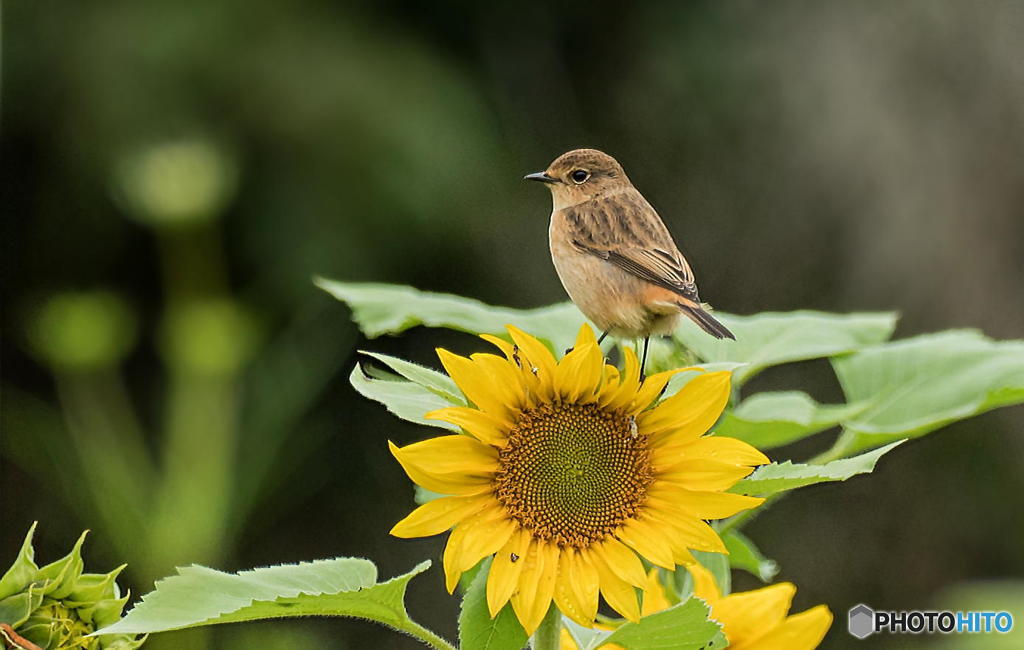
[{"x": 705, "y": 321}]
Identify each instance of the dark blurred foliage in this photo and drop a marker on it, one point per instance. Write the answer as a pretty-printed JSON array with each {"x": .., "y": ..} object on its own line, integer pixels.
[{"x": 829, "y": 155}]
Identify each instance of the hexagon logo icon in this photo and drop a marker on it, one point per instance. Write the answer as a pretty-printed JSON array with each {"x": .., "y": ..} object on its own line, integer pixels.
[{"x": 861, "y": 623}]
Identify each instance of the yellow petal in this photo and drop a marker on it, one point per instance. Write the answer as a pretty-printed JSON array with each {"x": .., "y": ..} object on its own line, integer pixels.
[
  {"x": 483, "y": 427},
  {"x": 609, "y": 383},
  {"x": 687, "y": 531},
  {"x": 439, "y": 515},
  {"x": 535, "y": 356},
  {"x": 749, "y": 614},
  {"x": 704, "y": 586},
  {"x": 503, "y": 345},
  {"x": 505, "y": 380},
  {"x": 673, "y": 449},
  {"x": 681, "y": 555},
  {"x": 505, "y": 570},
  {"x": 691, "y": 411},
  {"x": 472, "y": 540},
  {"x": 622, "y": 560},
  {"x": 655, "y": 599},
  {"x": 619, "y": 594},
  {"x": 523, "y": 369},
  {"x": 536, "y": 585},
  {"x": 566, "y": 597},
  {"x": 698, "y": 504},
  {"x": 445, "y": 482},
  {"x": 651, "y": 389},
  {"x": 803, "y": 631},
  {"x": 708, "y": 475},
  {"x": 649, "y": 541},
  {"x": 623, "y": 396},
  {"x": 578, "y": 374},
  {"x": 546, "y": 585},
  {"x": 585, "y": 336},
  {"x": 585, "y": 582},
  {"x": 451, "y": 454},
  {"x": 475, "y": 383}
]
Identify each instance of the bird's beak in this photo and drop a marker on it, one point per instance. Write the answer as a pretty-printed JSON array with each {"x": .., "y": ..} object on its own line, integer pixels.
[{"x": 540, "y": 176}]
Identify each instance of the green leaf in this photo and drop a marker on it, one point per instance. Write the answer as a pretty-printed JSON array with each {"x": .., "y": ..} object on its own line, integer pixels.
[
  {"x": 772, "y": 338},
  {"x": 405, "y": 399},
  {"x": 773, "y": 419},
  {"x": 392, "y": 309},
  {"x": 779, "y": 477},
  {"x": 915, "y": 386},
  {"x": 339, "y": 587},
  {"x": 744, "y": 555},
  {"x": 681, "y": 627},
  {"x": 586, "y": 638},
  {"x": 477, "y": 630},
  {"x": 432, "y": 380}
]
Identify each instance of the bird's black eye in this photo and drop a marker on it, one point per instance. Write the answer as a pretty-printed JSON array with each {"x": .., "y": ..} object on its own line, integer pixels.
[{"x": 580, "y": 176}]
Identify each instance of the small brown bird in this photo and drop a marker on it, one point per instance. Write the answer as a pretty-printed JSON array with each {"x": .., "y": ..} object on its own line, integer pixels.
[{"x": 615, "y": 257}]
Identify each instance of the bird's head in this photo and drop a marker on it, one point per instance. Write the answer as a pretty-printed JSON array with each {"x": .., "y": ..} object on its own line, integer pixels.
[{"x": 580, "y": 175}]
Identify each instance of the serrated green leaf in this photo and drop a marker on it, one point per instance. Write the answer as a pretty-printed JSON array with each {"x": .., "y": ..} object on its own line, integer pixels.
[
  {"x": 685, "y": 626},
  {"x": 915, "y": 386},
  {"x": 477, "y": 630},
  {"x": 432, "y": 380},
  {"x": 779, "y": 477},
  {"x": 405, "y": 399},
  {"x": 743, "y": 554},
  {"x": 390, "y": 309},
  {"x": 339, "y": 587},
  {"x": 773, "y": 419},
  {"x": 772, "y": 338}
]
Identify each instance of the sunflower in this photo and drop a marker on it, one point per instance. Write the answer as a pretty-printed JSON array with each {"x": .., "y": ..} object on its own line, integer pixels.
[
  {"x": 751, "y": 620},
  {"x": 568, "y": 476}
]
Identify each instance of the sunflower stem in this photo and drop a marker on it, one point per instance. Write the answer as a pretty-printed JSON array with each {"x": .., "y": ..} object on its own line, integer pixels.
[
  {"x": 838, "y": 450},
  {"x": 548, "y": 635}
]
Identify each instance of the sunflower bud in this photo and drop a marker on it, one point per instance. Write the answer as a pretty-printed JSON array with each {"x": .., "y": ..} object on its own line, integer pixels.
[{"x": 57, "y": 606}]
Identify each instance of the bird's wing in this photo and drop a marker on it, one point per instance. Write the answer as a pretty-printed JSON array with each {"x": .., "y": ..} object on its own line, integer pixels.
[{"x": 626, "y": 231}]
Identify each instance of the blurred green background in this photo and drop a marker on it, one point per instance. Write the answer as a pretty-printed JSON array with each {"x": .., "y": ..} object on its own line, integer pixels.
[{"x": 175, "y": 172}]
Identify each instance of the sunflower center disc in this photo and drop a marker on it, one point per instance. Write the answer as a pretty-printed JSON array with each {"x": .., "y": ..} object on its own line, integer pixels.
[{"x": 573, "y": 473}]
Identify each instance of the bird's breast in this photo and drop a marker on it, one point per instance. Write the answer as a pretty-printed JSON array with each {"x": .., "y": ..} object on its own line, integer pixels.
[{"x": 607, "y": 295}]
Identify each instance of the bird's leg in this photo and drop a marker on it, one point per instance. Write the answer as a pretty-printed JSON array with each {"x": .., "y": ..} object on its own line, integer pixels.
[{"x": 643, "y": 361}]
